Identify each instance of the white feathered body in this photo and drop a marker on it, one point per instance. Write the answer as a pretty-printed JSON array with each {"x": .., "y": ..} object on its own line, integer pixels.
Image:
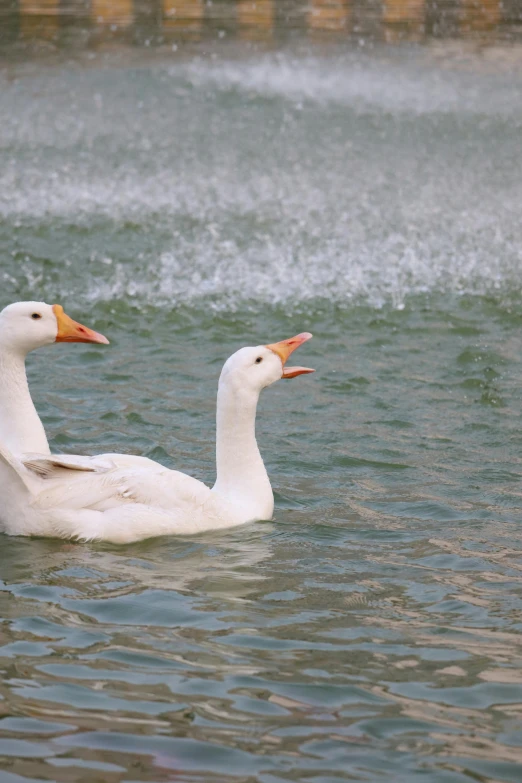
[{"x": 118, "y": 505}]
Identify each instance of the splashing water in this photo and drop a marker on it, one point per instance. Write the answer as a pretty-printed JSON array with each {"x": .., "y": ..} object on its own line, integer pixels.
[{"x": 277, "y": 179}]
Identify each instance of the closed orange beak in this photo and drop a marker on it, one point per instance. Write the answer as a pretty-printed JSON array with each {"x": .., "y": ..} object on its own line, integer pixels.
[
  {"x": 70, "y": 331},
  {"x": 287, "y": 347}
]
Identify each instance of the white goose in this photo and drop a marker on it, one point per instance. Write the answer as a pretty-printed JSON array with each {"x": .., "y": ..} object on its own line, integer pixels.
[
  {"x": 43, "y": 497},
  {"x": 25, "y": 326}
]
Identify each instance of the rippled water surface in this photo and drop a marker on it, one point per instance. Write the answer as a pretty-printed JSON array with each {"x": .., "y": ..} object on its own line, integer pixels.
[{"x": 187, "y": 207}]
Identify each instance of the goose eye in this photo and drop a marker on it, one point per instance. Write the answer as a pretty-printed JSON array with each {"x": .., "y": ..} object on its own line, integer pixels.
[
  {"x": 259, "y": 360},
  {"x": 35, "y": 316}
]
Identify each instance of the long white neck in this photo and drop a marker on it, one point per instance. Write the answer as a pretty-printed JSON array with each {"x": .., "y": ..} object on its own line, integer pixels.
[
  {"x": 241, "y": 475},
  {"x": 21, "y": 430}
]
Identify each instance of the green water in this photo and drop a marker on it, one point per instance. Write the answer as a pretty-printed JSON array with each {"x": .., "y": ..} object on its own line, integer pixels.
[{"x": 187, "y": 207}]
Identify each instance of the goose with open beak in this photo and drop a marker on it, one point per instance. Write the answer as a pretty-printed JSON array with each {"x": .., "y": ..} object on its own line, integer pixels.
[{"x": 49, "y": 496}]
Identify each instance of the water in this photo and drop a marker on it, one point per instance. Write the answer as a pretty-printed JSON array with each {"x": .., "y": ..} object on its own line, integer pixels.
[{"x": 189, "y": 205}]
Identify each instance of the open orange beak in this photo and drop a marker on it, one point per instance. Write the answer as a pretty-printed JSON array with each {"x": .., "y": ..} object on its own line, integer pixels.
[
  {"x": 70, "y": 331},
  {"x": 287, "y": 347}
]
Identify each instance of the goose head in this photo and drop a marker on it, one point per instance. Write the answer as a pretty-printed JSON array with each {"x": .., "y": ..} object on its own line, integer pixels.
[
  {"x": 25, "y": 326},
  {"x": 256, "y": 368}
]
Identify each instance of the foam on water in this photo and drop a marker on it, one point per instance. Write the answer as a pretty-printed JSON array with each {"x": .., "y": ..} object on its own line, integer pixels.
[
  {"x": 382, "y": 81},
  {"x": 275, "y": 179}
]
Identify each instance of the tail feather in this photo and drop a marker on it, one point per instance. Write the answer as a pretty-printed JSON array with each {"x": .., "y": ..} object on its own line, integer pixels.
[{"x": 61, "y": 465}]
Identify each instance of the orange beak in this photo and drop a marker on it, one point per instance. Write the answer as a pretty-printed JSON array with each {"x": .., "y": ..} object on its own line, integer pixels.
[
  {"x": 287, "y": 347},
  {"x": 70, "y": 331}
]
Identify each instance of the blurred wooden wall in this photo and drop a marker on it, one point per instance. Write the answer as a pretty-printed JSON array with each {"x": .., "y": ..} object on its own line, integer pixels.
[{"x": 165, "y": 21}]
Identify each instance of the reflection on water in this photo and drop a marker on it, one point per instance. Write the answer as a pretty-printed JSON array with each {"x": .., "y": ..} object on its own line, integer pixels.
[
  {"x": 238, "y": 657},
  {"x": 166, "y": 21}
]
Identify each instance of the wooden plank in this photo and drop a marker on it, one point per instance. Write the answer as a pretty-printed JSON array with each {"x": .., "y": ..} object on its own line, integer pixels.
[
  {"x": 255, "y": 18},
  {"x": 329, "y": 15},
  {"x": 39, "y": 18},
  {"x": 112, "y": 12},
  {"x": 403, "y": 19},
  {"x": 479, "y": 15},
  {"x": 183, "y": 16}
]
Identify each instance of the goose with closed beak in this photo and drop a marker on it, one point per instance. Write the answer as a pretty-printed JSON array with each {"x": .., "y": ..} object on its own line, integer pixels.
[
  {"x": 25, "y": 326},
  {"x": 124, "y": 504}
]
